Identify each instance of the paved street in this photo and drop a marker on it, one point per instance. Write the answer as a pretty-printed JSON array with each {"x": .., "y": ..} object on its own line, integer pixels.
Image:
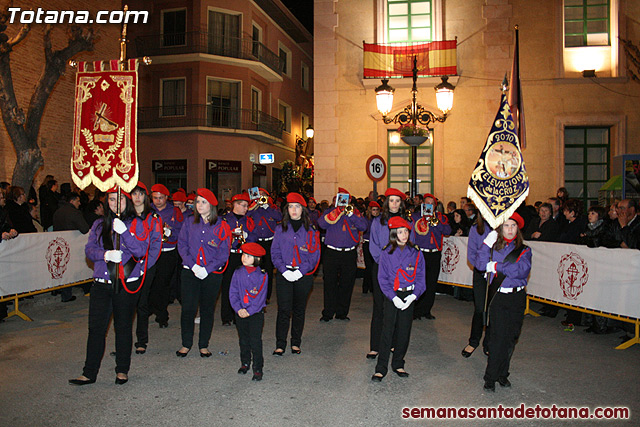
[{"x": 328, "y": 384}]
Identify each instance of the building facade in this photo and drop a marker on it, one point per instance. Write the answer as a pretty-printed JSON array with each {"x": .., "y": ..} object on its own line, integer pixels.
[
  {"x": 229, "y": 80},
  {"x": 576, "y": 125}
]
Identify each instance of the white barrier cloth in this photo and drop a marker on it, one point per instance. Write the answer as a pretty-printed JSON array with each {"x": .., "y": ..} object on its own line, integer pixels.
[
  {"x": 596, "y": 278},
  {"x": 36, "y": 261}
]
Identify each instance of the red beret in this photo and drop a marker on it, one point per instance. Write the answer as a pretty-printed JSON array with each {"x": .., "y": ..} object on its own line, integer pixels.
[
  {"x": 191, "y": 197},
  {"x": 208, "y": 195},
  {"x": 431, "y": 195},
  {"x": 518, "y": 219},
  {"x": 179, "y": 196},
  {"x": 342, "y": 190},
  {"x": 181, "y": 190},
  {"x": 144, "y": 187},
  {"x": 241, "y": 197},
  {"x": 374, "y": 205},
  {"x": 398, "y": 222},
  {"x": 395, "y": 192},
  {"x": 159, "y": 188},
  {"x": 253, "y": 249},
  {"x": 115, "y": 190},
  {"x": 264, "y": 191},
  {"x": 311, "y": 199},
  {"x": 296, "y": 198}
]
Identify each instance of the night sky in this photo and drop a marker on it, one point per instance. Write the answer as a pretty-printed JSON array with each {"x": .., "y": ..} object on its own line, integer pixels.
[{"x": 303, "y": 10}]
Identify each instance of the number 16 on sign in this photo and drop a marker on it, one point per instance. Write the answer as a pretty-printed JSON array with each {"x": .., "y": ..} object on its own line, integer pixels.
[{"x": 376, "y": 171}]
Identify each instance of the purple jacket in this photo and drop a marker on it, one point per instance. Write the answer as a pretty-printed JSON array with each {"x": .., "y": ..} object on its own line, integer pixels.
[
  {"x": 248, "y": 226},
  {"x": 129, "y": 245},
  {"x": 401, "y": 269},
  {"x": 378, "y": 237},
  {"x": 149, "y": 230},
  {"x": 296, "y": 249},
  {"x": 474, "y": 244},
  {"x": 173, "y": 217},
  {"x": 207, "y": 245},
  {"x": 427, "y": 236},
  {"x": 314, "y": 215},
  {"x": 367, "y": 234},
  {"x": 342, "y": 231},
  {"x": 517, "y": 272},
  {"x": 265, "y": 221},
  {"x": 248, "y": 290}
]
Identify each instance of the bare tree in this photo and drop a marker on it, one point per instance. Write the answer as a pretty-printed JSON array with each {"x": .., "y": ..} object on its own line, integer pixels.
[{"x": 23, "y": 128}]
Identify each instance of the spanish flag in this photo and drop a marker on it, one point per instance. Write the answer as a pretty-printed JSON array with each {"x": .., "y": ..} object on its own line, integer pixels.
[{"x": 433, "y": 59}]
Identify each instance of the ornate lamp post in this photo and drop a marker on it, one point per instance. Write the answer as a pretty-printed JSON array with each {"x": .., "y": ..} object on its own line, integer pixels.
[{"x": 414, "y": 114}]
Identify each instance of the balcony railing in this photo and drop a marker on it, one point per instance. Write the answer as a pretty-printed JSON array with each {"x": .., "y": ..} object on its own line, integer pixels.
[
  {"x": 208, "y": 116},
  {"x": 202, "y": 42}
]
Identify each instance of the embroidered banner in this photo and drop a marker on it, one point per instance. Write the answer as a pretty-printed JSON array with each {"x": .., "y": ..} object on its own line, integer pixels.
[
  {"x": 499, "y": 182},
  {"x": 105, "y": 126},
  {"x": 434, "y": 59}
]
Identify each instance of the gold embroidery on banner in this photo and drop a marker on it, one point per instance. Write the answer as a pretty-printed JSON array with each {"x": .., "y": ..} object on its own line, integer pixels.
[
  {"x": 125, "y": 83},
  {"x": 103, "y": 156}
]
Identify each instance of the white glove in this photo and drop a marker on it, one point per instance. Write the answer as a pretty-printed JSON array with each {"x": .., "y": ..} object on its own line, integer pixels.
[
  {"x": 113, "y": 256},
  {"x": 289, "y": 275},
  {"x": 297, "y": 274},
  {"x": 118, "y": 226},
  {"x": 491, "y": 267},
  {"x": 407, "y": 301},
  {"x": 237, "y": 231},
  {"x": 491, "y": 238},
  {"x": 245, "y": 235},
  {"x": 199, "y": 271},
  {"x": 265, "y": 206},
  {"x": 398, "y": 303},
  {"x": 167, "y": 231}
]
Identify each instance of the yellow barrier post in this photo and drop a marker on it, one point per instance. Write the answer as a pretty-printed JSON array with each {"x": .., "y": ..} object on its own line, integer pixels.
[
  {"x": 632, "y": 341},
  {"x": 16, "y": 311}
]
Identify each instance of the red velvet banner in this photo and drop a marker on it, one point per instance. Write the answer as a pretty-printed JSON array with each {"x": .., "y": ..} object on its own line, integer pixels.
[{"x": 105, "y": 126}]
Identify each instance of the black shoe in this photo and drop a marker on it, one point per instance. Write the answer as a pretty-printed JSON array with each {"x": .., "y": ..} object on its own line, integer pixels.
[
  {"x": 371, "y": 355},
  {"x": 325, "y": 319},
  {"x": 257, "y": 376},
  {"x": 490, "y": 386},
  {"x": 504, "y": 382},
  {"x": 73, "y": 298},
  {"x": 278, "y": 353},
  {"x": 429, "y": 316},
  {"x": 121, "y": 381},
  {"x": 243, "y": 369},
  {"x": 181, "y": 354},
  {"x": 164, "y": 324},
  {"x": 485, "y": 350},
  {"x": 401, "y": 374},
  {"x": 206, "y": 354},
  {"x": 296, "y": 351},
  {"x": 141, "y": 349},
  {"x": 377, "y": 378},
  {"x": 466, "y": 353},
  {"x": 77, "y": 381}
]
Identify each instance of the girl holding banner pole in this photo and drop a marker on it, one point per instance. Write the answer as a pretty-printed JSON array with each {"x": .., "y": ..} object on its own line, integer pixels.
[
  {"x": 508, "y": 264},
  {"x": 115, "y": 288}
]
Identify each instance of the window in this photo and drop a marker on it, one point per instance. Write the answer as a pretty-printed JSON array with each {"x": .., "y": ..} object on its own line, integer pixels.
[
  {"x": 174, "y": 27},
  {"x": 586, "y": 23},
  {"x": 399, "y": 161},
  {"x": 304, "y": 78},
  {"x": 284, "y": 114},
  {"x": 256, "y": 37},
  {"x": 224, "y": 34},
  {"x": 256, "y": 104},
  {"x": 285, "y": 59},
  {"x": 586, "y": 162},
  {"x": 223, "y": 103},
  {"x": 173, "y": 97},
  {"x": 409, "y": 21},
  {"x": 304, "y": 124}
]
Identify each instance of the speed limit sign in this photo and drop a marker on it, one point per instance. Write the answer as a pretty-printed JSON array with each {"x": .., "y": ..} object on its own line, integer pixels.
[{"x": 376, "y": 168}]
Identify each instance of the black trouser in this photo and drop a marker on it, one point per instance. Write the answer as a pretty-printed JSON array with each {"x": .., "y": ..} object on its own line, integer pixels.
[
  {"x": 198, "y": 293},
  {"x": 102, "y": 303},
  {"x": 267, "y": 264},
  {"x": 339, "y": 270},
  {"x": 292, "y": 304},
  {"x": 377, "y": 313},
  {"x": 250, "y": 336},
  {"x": 396, "y": 326},
  {"x": 477, "y": 324},
  {"x": 367, "y": 282},
  {"x": 505, "y": 318},
  {"x": 176, "y": 279},
  {"x": 226, "y": 311},
  {"x": 143, "y": 311},
  {"x": 425, "y": 302},
  {"x": 159, "y": 292}
]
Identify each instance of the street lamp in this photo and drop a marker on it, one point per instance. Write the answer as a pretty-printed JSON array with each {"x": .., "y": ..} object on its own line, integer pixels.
[
  {"x": 309, "y": 131},
  {"x": 414, "y": 114}
]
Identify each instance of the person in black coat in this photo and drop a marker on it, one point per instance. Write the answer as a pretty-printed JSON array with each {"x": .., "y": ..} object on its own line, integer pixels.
[
  {"x": 461, "y": 224},
  {"x": 18, "y": 210},
  {"x": 593, "y": 233},
  {"x": 543, "y": 228},
  {"x": 48, "y": 203},
  {"x": 575, "y": 222}
]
